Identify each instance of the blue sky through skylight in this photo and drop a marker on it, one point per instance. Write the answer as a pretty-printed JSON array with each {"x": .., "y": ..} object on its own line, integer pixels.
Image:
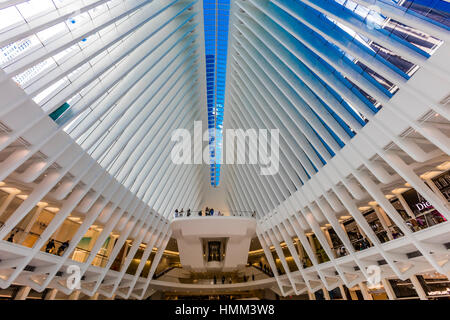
[{"x": 216, "y": 21}]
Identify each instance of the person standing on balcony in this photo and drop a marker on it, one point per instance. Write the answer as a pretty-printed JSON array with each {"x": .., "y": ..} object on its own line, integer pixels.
[
  {"x": 63, "y": 248},
  {"x": 11, "y": 237},
  {"x": 50, "y": 246}
]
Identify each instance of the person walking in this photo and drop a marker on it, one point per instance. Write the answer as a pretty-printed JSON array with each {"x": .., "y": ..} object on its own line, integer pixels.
[
  {"x": 11, "y": 237},
  {"x": 188, "y": 213},
  {"x": 50, "y": 246},
  {"x": 63, "y": 248}
]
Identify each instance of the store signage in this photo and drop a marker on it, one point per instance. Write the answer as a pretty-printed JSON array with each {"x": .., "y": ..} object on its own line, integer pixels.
[
  {"x": 416, "y": 202},
  {"x": 423, "y": 205}
]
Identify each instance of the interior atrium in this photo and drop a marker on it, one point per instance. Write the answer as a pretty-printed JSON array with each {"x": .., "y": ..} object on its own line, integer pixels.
[{"x": 103, "y": 197}]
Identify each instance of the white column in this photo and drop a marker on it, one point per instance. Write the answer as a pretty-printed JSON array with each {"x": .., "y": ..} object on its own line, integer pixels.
[
  {"x": 380, "y": 217},
  {"x": 388, "y": 288},
  {"x": 51, "y": 295},
  {"x": 23, "y": 293},
  {"x": 30, "y": 224},
  {"x": 328, "y": 237},
  {"x": 419, "y": 289},
  {"x": 313, "y": 245},
  {"x": 363, "y": 234},
  {"x": 343, "y": 227},
  {"x": 125, "y": 252},
  {"x": 435, "y": 189},
  {"x": 94, "y": 297},
  {"x": 299, "y": 249},
  {"x": 326, "y": 294},
  {"x": 74, "y": 295},
  {"x": 6, "y": 203},
  {"x": 405, "y": 206},
  {"x": 365, "y": 291},
  {"x": 343, "y": 294}
]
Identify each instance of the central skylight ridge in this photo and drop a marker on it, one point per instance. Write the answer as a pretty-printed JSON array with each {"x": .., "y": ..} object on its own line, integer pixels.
[{"x": 216, "y": 21}]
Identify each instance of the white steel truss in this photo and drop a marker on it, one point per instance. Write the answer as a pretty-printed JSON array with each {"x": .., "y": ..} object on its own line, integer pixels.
[
  {"x": 284, "y": 60},
  {"x": 92, "y": 89}
]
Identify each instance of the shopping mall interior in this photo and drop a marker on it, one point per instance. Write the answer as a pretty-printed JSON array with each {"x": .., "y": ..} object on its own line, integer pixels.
[{"x": 341, "y": 185}]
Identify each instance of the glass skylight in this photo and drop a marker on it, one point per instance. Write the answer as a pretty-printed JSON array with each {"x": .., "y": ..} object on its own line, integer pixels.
[{"x": 216, "y": 20}]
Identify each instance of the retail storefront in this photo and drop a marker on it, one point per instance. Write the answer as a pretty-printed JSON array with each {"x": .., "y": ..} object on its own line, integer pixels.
[
  {"x": 425, "y": 215},
  {"x": 436, "y": 287}
]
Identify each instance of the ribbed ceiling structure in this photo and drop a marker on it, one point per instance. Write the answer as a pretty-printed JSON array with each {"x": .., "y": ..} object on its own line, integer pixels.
[
  {"x": 91, "y": 91},
  {"x": 118, "y": 77},
  {"x": 320, "y": 71}
]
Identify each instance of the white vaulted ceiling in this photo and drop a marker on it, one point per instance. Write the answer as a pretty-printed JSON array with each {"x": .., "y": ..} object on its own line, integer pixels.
[
  {"x": 118, "y": 77},
  {"x": 91, "y": 91}
]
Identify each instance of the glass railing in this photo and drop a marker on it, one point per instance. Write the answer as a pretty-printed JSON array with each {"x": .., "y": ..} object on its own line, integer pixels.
[{"x": 200, "y": 213}]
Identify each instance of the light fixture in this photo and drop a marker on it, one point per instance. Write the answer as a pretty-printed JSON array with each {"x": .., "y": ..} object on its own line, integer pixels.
[
  {"x": 11, "y": 190},
  {"x": 430, "y": 174},
  {"x": 399, "y": 190},
  {"x": 444, "y": 166}
]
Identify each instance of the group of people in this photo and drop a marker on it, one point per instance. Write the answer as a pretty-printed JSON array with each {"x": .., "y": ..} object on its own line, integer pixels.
[
  {"x": 188, "y": 213},
  {"x": 51, "y": 247},
  {"x": 12, "y": 235},
  {"x": 245, "y": 278},
  {"x": 341, "y": 251},
  {"x": 208, "y": 212},
  {"x": 266, "y": 269},
  {"x": 359, "y": 242}
]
